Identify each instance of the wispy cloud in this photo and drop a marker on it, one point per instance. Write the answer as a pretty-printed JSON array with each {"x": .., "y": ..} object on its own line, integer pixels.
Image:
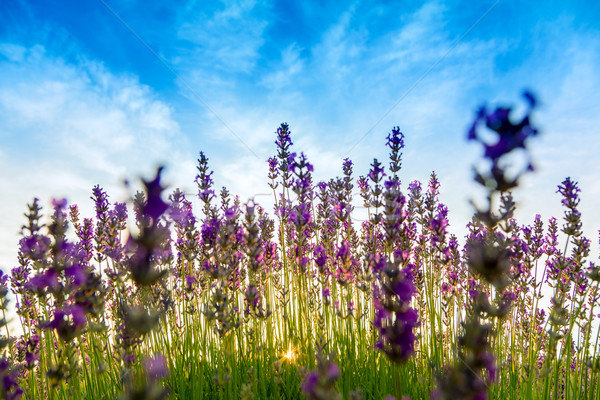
[
  {"x": 227, "y": 38},
  {"x": 68, "y": 126}
]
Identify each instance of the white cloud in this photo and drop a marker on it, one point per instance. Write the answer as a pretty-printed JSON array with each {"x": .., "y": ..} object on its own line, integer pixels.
[
  {"x": 67, "y": 127},
  {"x": 229, "y": 39},
  {"x": 289, "y": 67}
]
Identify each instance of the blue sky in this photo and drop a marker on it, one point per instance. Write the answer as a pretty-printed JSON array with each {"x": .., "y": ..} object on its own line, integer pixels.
[{"x": 83, "y": 101}]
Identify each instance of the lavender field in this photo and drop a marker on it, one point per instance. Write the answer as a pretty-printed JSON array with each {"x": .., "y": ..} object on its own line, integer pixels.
[{"x": 233, "y": 301}]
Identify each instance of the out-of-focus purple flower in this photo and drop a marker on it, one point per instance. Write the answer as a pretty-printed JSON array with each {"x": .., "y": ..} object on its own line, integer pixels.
[
  {"x": 45, "y": 280},
  {"x": 376, "y": 263},
  {"x": 68, "y": 322},
  {"x": 230, "y": 213},
  {"x": 320, "y": 257},
  {"x": 333, "y": 371},
  {"x": 396, "y": 333},
  {"x": 446, "y": 288},
  {"x": 10, "y": 389},
  {"x": 390, "y": 184},
  {"x": 76, "y": 274},
  {"x": 394, "y": 318},
  {"x": 156, "y": 367},
  {"x": 155, "y": 206},
  {"x": 319, "y": 384},
  {"x": 129, "y": 359},
  {"x": 36, "y": 248},
  {"x": 189, "y": 281},
  {"x": 510, "y": 135},
  {"x": 351, "y": 307},
  {"x": 291, "y": 162},
  {"x": 32, "y": 350},
  {"x": 119, "y": 212},
  {"x": 153, "y": 244},
  {"x": 3, "y": 282},
  {"x": 489, "y": 363},
  {"x": 404, "y": 289},
  {"x": 60, "y": 206},
  {"x": 311, "y": 379},
  {"x": 509, "y": 296},
  {"x": 252, "y": 296},
  {"x": 343, "y": 253}
]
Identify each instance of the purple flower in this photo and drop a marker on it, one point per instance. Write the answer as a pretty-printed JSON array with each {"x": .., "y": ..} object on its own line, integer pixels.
[
  {"x": 343, "y": 253},
  {"x": 414, "y": 187},
  {"x": 319, "y": 384},
  {"x": 101, "y": 202},
  {"x": 272, "y": 164},
  {"x": 333, "y": 372},
  {"x": 230, "y": 213},
  {"x": 347, "y": 166},
  {"x": 60, "y": 205},
  {"x": 489, "y": 363},
  {"x": 32, "y": 347},
  {"x": 570, "y": 193},
  {"x": 510, "y": 136},
  {"x": 363, "y": 184},
  {"x": 156, "y": 367},
  {"x": 68, "y": 322},
  {"x": 154, "y": 206},
  {"x": 320, "y": 256},
  {"x": 119, "y": 212},
  {"x": 35, "y": 247},
  {"x": 283, "y": 137},
  {"x": 129, "y": 359},
  {"x": 309, "y": 383},
  {"x": 153, "y": 244},
  {"x": 446, "y": 288},
  {"x": 76, "y": 274},
  {"x": 204, "y": 181},
  {"x": 8, "y": 376},
  {"x": 377, "y": 172},
  {"x": 47, "y": 279},
  {"x": 189, "y": 281},
  {"x": 395, "y": 139}
]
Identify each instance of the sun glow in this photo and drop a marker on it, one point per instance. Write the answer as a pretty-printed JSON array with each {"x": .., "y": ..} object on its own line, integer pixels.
[{"x": 289, "y": 355}]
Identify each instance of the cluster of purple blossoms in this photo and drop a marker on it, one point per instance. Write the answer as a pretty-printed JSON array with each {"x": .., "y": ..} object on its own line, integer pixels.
[
  {"x": 149, "y": 388},
  {"x": 143, "y": 249},
  {"x": 319, "y": 384},
  {"x": 394, "y": 318},
  {"x": 9, "y": 374}
]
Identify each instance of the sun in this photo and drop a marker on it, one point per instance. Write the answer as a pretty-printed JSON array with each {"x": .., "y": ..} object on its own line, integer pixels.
[{"x": 289, "y": 355}]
